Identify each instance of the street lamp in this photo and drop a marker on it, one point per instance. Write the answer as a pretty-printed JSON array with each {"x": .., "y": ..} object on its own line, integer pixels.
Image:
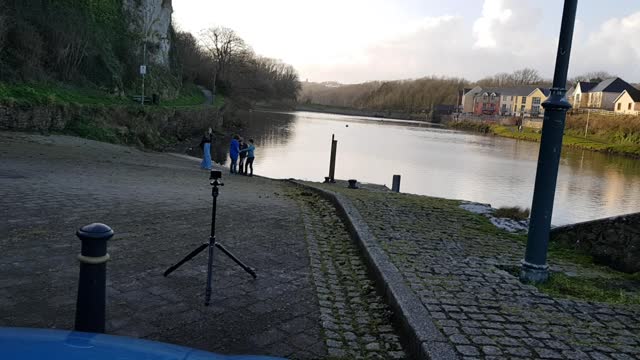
[{"x": 534, "y": 265}]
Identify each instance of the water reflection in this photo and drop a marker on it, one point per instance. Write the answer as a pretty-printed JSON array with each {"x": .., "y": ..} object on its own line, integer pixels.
[{"x": 438, "y": 162}]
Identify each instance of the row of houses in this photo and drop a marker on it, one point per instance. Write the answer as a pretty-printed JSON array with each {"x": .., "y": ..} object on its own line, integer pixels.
[{"x": 612, "y": 94}]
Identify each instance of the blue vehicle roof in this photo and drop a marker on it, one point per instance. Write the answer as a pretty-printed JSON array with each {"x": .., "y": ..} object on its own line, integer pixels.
[{"x": 43, "y": 344}]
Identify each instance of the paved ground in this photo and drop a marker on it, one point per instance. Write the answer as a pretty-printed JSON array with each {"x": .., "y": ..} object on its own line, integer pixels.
[
  {"x": 354, "y": 318},
  {"x": 451, "y": 259},
  {"x": 159, "y": 206}
]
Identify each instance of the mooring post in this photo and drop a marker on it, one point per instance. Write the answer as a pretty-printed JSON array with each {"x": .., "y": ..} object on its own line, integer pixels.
[
  {"x": 534, "y": 265},
  {"x": 90, "y": 305},
  {"x": 332, "y": 162},
  {"x": 396, "y": 183}
]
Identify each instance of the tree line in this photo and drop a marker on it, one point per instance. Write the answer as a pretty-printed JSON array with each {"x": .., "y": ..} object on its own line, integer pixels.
[
  {"x": 93, "y": 42},
  {"x": 418, "y": 95},
  {"x": 223, "y": 61}
]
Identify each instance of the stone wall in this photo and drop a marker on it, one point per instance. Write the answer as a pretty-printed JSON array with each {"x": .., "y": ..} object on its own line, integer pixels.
[
  {"x": 612, "y": 241},
  {"x": 534, "y": 124},
  {"x": 128, "y": 122}
]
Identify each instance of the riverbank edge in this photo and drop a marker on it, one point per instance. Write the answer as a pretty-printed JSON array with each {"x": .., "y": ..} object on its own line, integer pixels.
[
  {"x": 530, "y": 135},
  {"x": 362, "y": 112},
  {"x": 423, "y": 339}
]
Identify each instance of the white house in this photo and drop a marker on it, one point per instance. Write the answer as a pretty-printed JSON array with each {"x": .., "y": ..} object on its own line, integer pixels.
[
  {"x": 603, "y": 95},
  {"x": 467, "y": 99},
  {"x": 628, "y": 103}
]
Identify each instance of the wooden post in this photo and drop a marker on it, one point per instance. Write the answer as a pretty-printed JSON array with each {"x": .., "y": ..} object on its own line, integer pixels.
[
  {"x": 396, "y": 183},
  {"x": 332, "y": 162}
]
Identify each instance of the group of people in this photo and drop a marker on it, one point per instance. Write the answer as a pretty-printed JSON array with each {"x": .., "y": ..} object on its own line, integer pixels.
[
  {"x": 238, "y": 149},
  {"x": 243, "y": 150}
]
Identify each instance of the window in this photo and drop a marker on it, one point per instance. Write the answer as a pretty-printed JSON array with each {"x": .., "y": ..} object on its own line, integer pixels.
[
  {"x": 536, "y": 101},
  {"x": 619, "y": 106},
  {"x": 485, "y": 97},
  {"x": 522, "y": 108},
  {"x": 535, "y": 109},
  {"x": 524, "y": 100},
  {"x": 629, "y": 106},
  {"x": 504, "y": 98}
]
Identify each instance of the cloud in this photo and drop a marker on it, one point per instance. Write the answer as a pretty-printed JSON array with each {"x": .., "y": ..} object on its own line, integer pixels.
[
  {"x": 613, "y": 47},
  {"x": 486, "y": 28},
  {"x": 426, "y": 47},
  {"x": 361, "y": 40}
]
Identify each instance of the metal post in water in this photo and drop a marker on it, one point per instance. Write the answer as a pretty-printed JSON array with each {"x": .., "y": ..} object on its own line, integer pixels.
[
  {"x": 332, "y": 162},
  {"x": 534, "y": 266},
  {"x": 396, "y": 183},
  {"x": 90, "y": 305}
]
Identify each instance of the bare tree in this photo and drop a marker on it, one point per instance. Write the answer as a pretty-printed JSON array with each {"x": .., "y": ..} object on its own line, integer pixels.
[
  {"x": 526, "y": 76},
  {"x": 223, "y": 45},
  {"x": 593, "y": 76}
]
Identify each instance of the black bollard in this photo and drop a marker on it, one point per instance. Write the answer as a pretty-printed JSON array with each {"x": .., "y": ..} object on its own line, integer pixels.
[
  {"x": 396, "y": 183},
  {"x": 90, "y": 306},
  {"x": 353, "y": 184}
]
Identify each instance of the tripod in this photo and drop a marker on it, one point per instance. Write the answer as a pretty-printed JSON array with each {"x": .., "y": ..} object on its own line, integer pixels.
[{"x": 215, "y": 176}]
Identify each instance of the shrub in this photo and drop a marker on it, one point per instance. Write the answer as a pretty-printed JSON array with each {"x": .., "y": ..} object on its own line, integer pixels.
[{"x": 515, "y": 213}]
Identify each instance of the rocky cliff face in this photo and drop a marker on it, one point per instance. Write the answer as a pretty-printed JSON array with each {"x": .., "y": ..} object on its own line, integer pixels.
[{"x": 152, "y": 20}]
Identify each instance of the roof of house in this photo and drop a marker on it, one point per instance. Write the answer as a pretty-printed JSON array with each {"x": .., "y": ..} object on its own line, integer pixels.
[
  {"x": 518, "y": 90},
  {"x": 473, "y": 90},
  {"x": 586, "y": 86},
  {"x": 633, "y": 93},
  {"x": 616, "y": 85},
  {"x": 545, "y": 91}
]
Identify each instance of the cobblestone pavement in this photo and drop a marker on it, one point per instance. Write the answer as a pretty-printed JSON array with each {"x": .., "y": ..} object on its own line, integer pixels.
[
  {"x": 355, "y": 321},
  {"x": 159, "y": 206},
  {"x": 451, "y": 259}
]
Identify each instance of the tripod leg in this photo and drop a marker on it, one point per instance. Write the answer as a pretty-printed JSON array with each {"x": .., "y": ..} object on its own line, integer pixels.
[
  {"x": 186, "y": 258},
  {"x": 207, "y": 293},
  {"x": 237, "y": 261}
]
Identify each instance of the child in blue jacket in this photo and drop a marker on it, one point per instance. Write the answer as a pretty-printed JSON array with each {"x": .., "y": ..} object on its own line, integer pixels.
[
  {"x": 234, "y": 150},
  {"x": 250, "y": 157}
]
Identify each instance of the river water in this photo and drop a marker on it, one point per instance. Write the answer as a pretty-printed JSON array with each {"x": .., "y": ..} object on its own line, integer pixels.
[{"x": 437, "y": 162}]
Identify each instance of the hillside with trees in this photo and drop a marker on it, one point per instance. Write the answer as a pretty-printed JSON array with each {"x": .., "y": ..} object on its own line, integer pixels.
[
  {"x": 419, "y": 95},
  {"x": 98, "y": 46}
]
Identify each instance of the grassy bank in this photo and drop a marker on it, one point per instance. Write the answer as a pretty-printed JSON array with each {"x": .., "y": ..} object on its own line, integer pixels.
[
  {"x": 610, "y": 140},
  {"x": 42, "y": 94},
  {"x": 407, "y": 226}
]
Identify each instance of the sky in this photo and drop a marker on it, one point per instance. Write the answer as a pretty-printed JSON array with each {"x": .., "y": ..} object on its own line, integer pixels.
[{"x": 353, "y": 41}]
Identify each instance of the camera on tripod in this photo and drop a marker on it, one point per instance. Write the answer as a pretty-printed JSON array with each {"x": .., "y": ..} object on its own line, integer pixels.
[
  {"x": 214, "y": 180},
  {"x": 214, "y": 176}
]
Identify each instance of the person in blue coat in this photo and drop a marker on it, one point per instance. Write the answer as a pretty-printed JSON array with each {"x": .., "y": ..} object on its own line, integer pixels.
[
  {"x": 234, "y": 150},
  {"x": 205, "y": 145}
]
